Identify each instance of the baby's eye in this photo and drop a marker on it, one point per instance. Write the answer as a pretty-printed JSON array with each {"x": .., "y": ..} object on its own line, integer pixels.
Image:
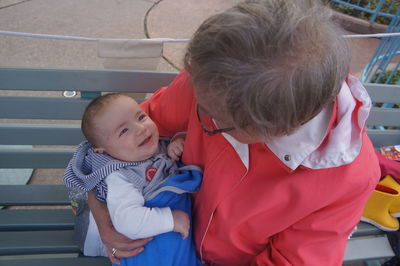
[
  {"x": 123, "y": 132},
  {"x": 141, "y": 117}
]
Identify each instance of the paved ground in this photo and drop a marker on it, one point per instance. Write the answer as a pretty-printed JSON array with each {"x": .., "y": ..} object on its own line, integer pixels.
[{"x": 109, "y": 19}]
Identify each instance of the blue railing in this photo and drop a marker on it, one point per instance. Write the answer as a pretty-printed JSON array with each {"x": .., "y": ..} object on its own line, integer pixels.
[
  {"x": 376, "y": 8},
  {"x": 384, "y": 66}
]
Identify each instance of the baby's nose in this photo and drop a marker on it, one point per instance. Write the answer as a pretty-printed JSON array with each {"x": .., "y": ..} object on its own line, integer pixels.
[{"x": 140, "y": 130}]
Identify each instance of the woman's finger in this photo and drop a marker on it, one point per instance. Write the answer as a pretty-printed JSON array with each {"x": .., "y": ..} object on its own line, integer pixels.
[
  {"x": 113, "y": 259},
  {"x": 127, "y": 244},
  {"x": 122, "y": 254},
  {"x": 138, "y": 243},
  {"x": 128, "y": 254}
]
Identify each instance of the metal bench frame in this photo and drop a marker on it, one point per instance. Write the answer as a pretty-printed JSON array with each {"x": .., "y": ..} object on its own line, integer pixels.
[{"x": 47, "y": 139}]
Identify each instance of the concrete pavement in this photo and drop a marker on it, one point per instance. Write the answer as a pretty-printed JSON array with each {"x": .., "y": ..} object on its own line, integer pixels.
[
  {"x": 121, "y": 19},
  {"x": 89, "y": 18},
  {"x": 110, "y": 19}
]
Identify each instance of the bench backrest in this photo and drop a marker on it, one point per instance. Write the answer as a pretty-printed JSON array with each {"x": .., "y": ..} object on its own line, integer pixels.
[
  {"x": 384, "y": 117},
  {"x": 54, "y": 120}
]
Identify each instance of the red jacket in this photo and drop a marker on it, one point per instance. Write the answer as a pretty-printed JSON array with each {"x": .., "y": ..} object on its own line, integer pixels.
[{"x": 292, "y": 201}]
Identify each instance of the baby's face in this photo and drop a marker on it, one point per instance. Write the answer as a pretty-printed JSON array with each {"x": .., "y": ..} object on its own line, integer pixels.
[{"x": 125, "y": 132}]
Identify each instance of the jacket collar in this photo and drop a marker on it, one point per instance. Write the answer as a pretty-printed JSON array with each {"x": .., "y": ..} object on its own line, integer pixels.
[{"x": 332, "y": 138}]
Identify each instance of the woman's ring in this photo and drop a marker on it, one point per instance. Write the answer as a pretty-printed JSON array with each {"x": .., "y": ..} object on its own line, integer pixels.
[{"x": 113, "y": 251}]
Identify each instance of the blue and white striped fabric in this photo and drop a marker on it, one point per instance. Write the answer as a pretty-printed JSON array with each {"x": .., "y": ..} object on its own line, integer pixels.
[{"x": 87, "y": 170}]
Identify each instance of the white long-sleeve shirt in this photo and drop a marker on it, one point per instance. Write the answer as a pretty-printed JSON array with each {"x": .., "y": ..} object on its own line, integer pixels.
[{"x": 129, "y": 215}]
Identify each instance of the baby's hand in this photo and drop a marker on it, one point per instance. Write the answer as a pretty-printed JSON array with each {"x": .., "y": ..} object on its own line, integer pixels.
[
  {"x": 175, "y": 148},
  {"x": 181, "y": 223}
]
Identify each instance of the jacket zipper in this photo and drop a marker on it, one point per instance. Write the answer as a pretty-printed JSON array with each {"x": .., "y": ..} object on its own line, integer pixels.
[{"x": 210, "y": 220}]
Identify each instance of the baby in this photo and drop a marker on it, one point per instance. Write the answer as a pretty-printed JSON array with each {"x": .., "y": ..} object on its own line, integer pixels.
[{"x": 135, "y": 173}]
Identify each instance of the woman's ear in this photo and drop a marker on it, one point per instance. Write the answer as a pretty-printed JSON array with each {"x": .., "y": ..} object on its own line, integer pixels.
[{"x": 99, "y": 150}]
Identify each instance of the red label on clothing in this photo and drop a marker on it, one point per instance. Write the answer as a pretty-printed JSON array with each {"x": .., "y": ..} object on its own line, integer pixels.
[{"x": 150, "y": 172}]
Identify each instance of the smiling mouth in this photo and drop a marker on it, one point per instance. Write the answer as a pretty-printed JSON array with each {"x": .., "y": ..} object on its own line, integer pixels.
[{"x": 145, "y": 141}]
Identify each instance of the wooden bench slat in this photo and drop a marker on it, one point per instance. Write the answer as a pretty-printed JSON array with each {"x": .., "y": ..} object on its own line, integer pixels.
[
  {"x": 384, "y": 117},
  {"x": 39, "y": 108},
  {"x": 383, "y": 93},
  {"x": 78, "y": 261},
  {"x": 28, "y": 157},
  {"x": 368, "y": 248},
  {"x": 37, "y": 242},
  {"x": 365, "y": 229},
  {"x": 381, "y": 138},
  {"x": 40, "y": 134},
  {"x": 27, "y": 195},
  {"x": 83, "y": 80},
  {"x": 37, "y": 219},
  {"x": 13, "y": 107}
]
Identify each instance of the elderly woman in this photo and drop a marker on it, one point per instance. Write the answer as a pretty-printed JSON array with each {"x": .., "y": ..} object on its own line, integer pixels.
[{"x": 278, "y": 125}]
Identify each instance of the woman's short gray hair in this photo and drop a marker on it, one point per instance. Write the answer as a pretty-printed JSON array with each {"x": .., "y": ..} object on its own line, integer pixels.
[{"x": 274, "y": 64}]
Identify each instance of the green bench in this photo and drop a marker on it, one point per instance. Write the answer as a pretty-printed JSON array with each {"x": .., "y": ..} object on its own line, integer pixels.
[
  {"x": 41, "y": 131},
  {"x": 368, "y": 242}
]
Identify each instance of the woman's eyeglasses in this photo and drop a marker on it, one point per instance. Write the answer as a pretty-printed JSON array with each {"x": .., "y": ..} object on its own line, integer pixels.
[{"x": 208, "y": 129}]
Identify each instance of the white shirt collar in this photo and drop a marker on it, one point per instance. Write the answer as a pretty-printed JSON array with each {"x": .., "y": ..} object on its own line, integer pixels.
[
  {"x": 292, "y": 150},
  {"x": 288, "y": 148},
  {"x": 304, "y": 146},
  {"x": 241, "y": 149}
]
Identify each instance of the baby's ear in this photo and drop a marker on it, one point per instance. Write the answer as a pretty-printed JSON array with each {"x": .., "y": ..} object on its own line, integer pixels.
[{"x": 98, "y": 150}]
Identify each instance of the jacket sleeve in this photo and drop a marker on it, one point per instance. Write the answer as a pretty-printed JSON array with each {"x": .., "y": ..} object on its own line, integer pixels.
[
  {"x": 319, "y": 238},
  {"x": 170, "y": 106}
]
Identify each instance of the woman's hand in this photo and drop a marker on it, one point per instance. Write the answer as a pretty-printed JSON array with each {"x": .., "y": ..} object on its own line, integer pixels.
[{"x": 125, "y": 247}]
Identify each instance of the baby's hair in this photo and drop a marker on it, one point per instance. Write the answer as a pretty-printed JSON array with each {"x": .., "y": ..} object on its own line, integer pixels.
[
  {"x": 95, "y": 107},
  {"x": 275, "y": 64}
]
